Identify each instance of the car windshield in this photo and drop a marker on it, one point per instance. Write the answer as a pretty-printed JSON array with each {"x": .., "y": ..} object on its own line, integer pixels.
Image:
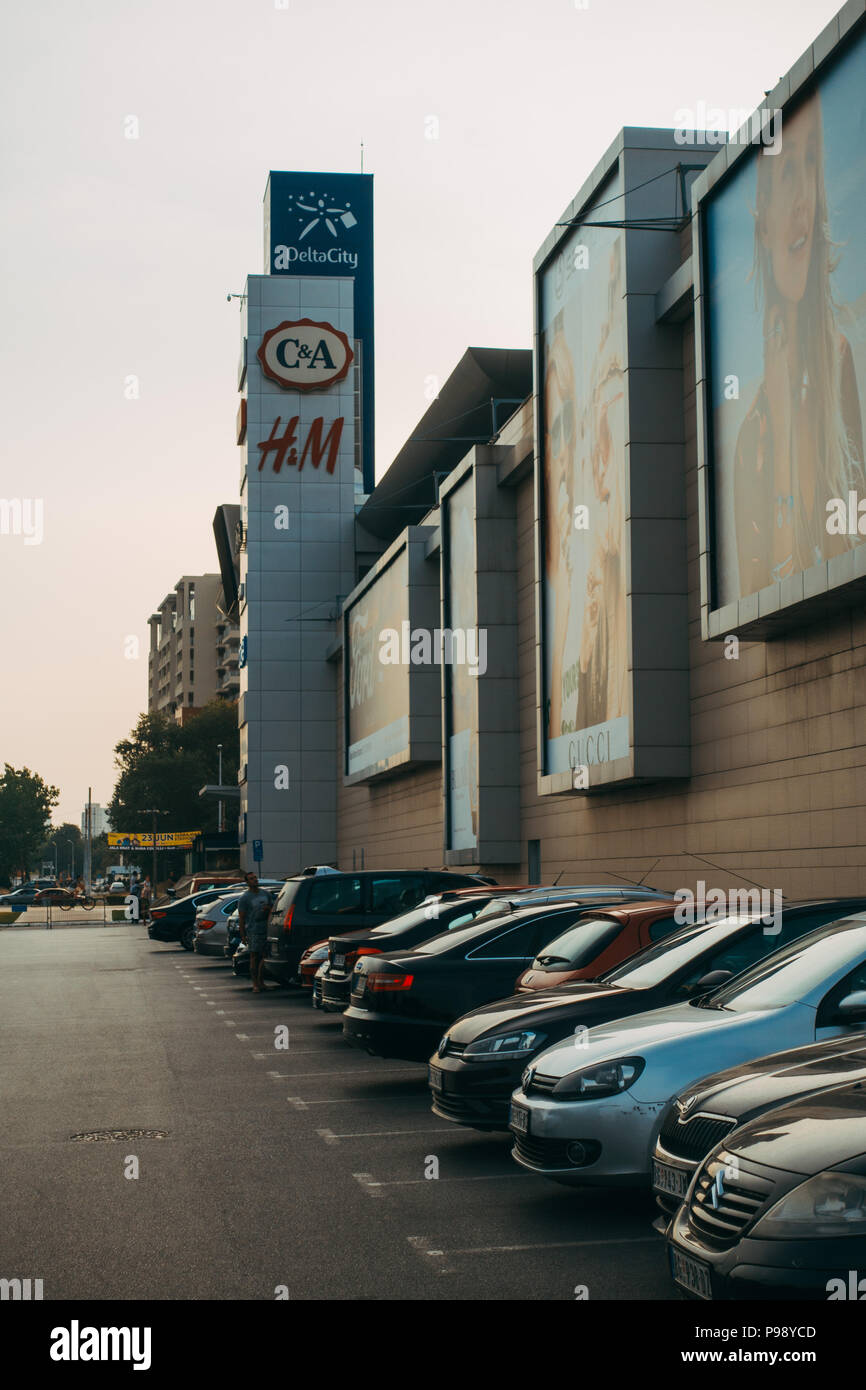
[
  {"x": 495, "y": 908},
  {"x": 791, "y": 972},
  {"x": 663, "y": 959},
  {"x": 447, "y": 913},
  {"x": 540, "y": 897},
  {"x": 477, "y": 930},
  {"x": 580, "y": 944}
]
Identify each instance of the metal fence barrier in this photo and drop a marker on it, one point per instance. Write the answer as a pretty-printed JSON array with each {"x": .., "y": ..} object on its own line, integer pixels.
[{"x": 102, "y": 914}]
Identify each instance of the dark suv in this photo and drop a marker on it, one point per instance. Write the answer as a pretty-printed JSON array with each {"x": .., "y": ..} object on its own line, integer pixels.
[{"x": 311, "y": 906}]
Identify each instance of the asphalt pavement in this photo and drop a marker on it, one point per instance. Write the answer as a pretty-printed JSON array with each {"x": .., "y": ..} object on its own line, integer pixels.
[{"x": 307, "y": 1172}]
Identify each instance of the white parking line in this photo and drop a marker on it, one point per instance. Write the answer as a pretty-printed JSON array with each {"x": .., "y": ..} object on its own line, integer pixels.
[
  {"x": 366, "y": 1181},
  {"x": 436, "y": 1182},
  {"x": 331, "y": 1138},
  {"x": 361, "y": 1071},
  {"x": 421, "y": 1244},
  {"x": 300, "y": 1052},
  {"x": 555, "y": 1245},
  {"x": 301, "y": 1104}
]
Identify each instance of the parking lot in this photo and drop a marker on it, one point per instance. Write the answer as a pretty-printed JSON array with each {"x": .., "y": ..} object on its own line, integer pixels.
[{"x": 313, "y": 1170}]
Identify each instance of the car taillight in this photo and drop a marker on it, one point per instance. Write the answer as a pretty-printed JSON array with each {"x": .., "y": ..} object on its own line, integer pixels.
[
  {"x": 287, "y": 920},
  {"x": 352, "y": 956},
  {"x": 206, "y": 925},
  {"x": 380, "y": 983},
  {"x": 157, "y": 913}
]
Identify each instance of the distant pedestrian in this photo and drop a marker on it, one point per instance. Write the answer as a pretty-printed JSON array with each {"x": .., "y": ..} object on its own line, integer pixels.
[
  {"x": 253, "y": 909},
  {"x": 145, "y": 900}
]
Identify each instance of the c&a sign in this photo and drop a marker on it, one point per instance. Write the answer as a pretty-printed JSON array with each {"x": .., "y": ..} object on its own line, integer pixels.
[{"x": 301, "y": 355}]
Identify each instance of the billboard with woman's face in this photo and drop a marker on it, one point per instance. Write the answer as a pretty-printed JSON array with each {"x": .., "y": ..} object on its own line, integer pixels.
[
  {"x": 785, "y": 322},
  {"x": 378, "y": 692},
  {"x": 582, "y": 409}
]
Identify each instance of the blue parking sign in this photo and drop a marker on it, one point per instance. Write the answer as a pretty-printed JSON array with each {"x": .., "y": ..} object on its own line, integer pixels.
[{"x": 257, "y": 851}]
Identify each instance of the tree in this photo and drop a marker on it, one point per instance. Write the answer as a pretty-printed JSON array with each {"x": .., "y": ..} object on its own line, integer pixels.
[
  {"x": 164, "y": 765},
  {"x": 26, "y": 803},
  {"x": 58, "y": 839}
]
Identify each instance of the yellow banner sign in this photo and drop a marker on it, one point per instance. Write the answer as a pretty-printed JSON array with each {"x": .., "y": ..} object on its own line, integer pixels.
[{"x": 169, "y": 839}]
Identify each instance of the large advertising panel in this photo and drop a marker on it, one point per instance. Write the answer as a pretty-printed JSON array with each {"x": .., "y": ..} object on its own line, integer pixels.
[
  {"x": 461, "y": 680},
  {"x": 378, "y": 691},
  {"x": 583, "y": 460},
  {"x": 322, "y": 225},
  {"x": 785, "y": 322}
]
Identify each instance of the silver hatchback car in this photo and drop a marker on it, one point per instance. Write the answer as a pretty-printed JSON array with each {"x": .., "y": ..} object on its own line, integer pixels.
[
  {"x": 212, "y": 919},
  {"x": 211, "y": 924}
]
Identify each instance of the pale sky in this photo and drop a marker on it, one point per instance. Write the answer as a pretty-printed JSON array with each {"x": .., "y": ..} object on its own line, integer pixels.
[{"x": 119, "y": 253}]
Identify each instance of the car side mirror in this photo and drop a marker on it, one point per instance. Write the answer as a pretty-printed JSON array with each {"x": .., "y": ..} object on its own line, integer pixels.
[
  {"x": 711, "y": 981},
  {"x": 852, "y": 1009}
]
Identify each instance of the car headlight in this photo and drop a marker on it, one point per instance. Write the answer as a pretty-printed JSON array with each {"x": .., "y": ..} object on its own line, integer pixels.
[
  {"x": 503, "y": 1045},
  {"x": 830, "y": 1204},
  {"x": 602, "y": 1079}
]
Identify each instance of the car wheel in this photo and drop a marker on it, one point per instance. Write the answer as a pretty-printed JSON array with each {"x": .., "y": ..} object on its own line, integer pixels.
[{"x": 187, "y": 938}]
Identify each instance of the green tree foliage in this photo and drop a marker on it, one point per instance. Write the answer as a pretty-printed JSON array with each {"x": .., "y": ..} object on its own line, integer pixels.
[
  {"x": 26, "y": 803},
  {"x": 59, "y": 837},
  {"x": 163, "y": 764}
]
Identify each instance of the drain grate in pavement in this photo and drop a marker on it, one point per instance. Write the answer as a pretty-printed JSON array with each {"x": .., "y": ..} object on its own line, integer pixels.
[{"x": 112, "y": 1136}]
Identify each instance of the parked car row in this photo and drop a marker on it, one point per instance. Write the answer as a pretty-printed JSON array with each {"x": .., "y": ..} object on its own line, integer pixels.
[{"x": 721, "y": 1064}]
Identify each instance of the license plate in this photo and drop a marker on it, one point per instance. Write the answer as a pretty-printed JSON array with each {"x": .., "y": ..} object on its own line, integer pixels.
[
  {"x": 435, "y": 1078},
  {"x": 672, "y": 1180},
  {"x": 691, "y": 1274},
  {"x": 339, "y": 962},
  {"x": 518, "y": 1119}
]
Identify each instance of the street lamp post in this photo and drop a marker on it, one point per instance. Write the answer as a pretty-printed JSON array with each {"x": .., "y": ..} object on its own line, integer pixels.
[
  {"x": 152, "y": 811},
  {"x": 71, "y": 844},
  {"x": 220, "y": 780}
]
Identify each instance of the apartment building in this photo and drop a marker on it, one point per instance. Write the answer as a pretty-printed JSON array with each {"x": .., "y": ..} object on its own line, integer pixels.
[
  {"x": 193, "y": 648},
  {"x": 99, "y": 822}
]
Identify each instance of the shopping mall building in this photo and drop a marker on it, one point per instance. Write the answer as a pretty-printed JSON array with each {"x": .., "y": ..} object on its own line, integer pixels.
[{"x": 611, "y": 622}]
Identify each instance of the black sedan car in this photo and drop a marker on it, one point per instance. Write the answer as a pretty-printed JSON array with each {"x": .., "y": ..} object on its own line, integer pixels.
[
  {"x": 439, "y": 914},
  {"x": 779, "y": 1210},
  {"x": 482, "y": 1056},
  {"x": 400, "y": 1002},
  {"x": 703, "y": 1116}
]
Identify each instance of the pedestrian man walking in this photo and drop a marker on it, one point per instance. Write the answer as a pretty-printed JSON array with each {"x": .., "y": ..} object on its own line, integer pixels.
[
  {"x": 145, "y": 900},
  {"x": 253, "y": 908}
]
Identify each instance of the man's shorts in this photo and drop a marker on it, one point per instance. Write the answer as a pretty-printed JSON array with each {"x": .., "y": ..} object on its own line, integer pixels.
[{"x": 257, "y": 940}]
